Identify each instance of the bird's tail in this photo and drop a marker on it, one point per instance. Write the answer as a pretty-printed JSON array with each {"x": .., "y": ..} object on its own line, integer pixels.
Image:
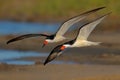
[{"x": 94, "y": 43}]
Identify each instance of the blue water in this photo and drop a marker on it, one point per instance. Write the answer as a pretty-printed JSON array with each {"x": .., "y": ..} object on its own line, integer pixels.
[
  {"x": 19, "y": 62},
  {"x": 25, "y": 62},
  {"x": 11, "y": 56},
  {"x": 9, "y": 27}
]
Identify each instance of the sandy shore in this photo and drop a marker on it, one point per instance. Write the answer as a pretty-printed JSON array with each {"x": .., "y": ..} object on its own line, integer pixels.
[{"x": 62, "y": 72}]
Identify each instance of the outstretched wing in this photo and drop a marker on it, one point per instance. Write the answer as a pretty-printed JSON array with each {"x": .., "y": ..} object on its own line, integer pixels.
[
  {"x": 86, "y": 29},
  {"x": 53, "y": 54},
  {"x": 67, "y": 24},
  {"x": 25, "y": 36}
]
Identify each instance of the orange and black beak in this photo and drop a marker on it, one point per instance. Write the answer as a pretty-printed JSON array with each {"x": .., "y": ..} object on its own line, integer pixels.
[
  {"x": 45, "y": 43},
  {"x": 62, "y": 48}
]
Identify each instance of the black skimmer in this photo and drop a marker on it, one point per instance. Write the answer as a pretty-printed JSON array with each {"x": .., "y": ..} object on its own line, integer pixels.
[
  {"x": 79, "y": 41},
  {"x": 59, "y": 35}
]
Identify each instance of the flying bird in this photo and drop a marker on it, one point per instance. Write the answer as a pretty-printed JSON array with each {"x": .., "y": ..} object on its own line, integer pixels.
[
  {"x": 59, "y": 35},
  {"x": 79, "y": 41}
]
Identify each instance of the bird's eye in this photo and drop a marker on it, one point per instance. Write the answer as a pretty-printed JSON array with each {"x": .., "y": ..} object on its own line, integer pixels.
[{"x": 62, "y": 48}]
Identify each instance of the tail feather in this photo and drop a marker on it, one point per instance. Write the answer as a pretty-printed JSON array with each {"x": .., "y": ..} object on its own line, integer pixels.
[
  {"x": 94, "y": 43},
  {"x": 97, "y": 43}
]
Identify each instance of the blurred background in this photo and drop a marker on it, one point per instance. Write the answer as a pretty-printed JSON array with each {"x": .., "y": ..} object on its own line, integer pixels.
[
  {"x": 57, "y": 10},
  {"x": 45, "y": 16}
]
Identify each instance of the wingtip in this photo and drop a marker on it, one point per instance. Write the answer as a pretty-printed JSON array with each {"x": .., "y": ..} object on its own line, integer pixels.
[
  {"x": 45, "y": 63},
  {"x": 7, "y": 42},
  {"x": 103, "y": 16},
  {"x": 109, "y": 13},
  {"x": 102, "y": 7},
  {"x": 99, "y": 8},
  {"x": 94, "y": 10},
  {"x": 106, "y": 14}
]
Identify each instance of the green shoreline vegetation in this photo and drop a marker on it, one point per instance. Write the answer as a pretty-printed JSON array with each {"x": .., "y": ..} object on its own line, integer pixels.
[
  {"x": 54, "y": 7},
  {"x": 55, "y": 10}
]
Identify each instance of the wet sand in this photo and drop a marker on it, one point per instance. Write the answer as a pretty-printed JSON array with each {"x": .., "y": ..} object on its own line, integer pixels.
[
  {"x": 62, "y": 72},
  {"x": 103, "y": 61}
]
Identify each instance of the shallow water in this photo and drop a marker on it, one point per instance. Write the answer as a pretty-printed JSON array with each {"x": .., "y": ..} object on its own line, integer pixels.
[
  {"x": 25, "y": 62},
  {"x": 9, "y": 27},
  {"x": 10, "y": 56},
  {"x": 19, "y": 62}
]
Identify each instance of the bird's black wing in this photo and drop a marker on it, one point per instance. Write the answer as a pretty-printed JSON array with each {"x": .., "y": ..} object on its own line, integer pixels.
[
  {"x": 53, "y": 54},
  {"x": 25, "y": 36},
  {"x": 57, "y": 51}
]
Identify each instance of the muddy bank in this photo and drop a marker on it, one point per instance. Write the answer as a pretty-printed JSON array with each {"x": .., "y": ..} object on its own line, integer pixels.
[{"x": 64, "y": 71}]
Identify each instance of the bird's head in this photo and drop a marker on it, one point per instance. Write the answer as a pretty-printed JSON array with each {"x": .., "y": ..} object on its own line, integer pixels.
[
  {"x": 65, "y": 46},
  {"x": 62, "y": 47},
  {"x": 45, "y": 43}
]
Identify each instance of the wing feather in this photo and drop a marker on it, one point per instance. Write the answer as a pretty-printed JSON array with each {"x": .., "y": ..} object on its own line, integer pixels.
[
  {"x": 67, "y": 24},
  {"x": 85, "y": 30},
  {"x": 25, "y": 36},
  {"x": 53, "y": 54}
]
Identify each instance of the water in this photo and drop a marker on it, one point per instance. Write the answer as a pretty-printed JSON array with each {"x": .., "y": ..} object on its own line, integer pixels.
[
  {"x": 19, "y": 62},
  {"x": 9, "y": 27},
  {"x": 25, "y": 62},
  {"x": 11, "y": 56}
]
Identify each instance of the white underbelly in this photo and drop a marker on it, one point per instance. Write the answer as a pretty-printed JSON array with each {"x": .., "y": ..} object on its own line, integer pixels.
[
  {"x": 79, "y": 45},
  {"x": 82, "y": 43}
]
